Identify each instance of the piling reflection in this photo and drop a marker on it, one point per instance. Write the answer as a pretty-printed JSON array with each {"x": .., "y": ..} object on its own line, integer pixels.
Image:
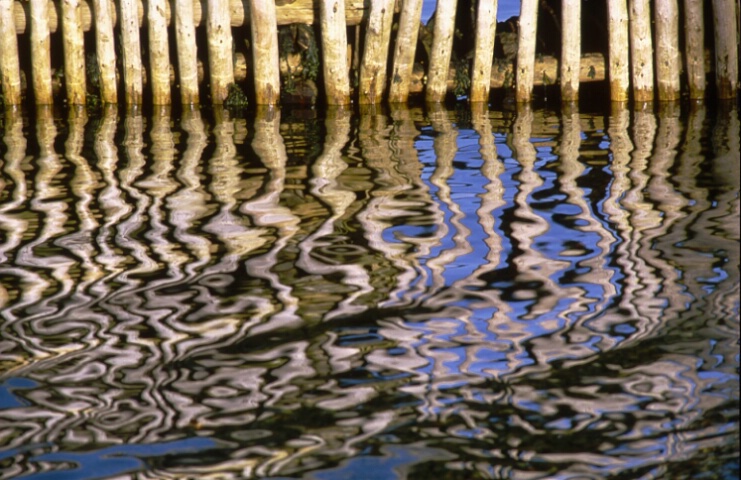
[{"x": 504, "y": 296}]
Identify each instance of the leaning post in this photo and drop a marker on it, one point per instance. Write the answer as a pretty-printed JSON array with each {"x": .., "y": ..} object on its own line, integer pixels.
[
  {"x": 404, "y": 51},
  {"x": 442, "y": 49},
  {"x": 375, "y": 53}
]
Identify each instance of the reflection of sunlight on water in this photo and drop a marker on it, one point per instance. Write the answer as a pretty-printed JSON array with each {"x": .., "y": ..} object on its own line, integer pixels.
[{"x": 513, "y": 295}]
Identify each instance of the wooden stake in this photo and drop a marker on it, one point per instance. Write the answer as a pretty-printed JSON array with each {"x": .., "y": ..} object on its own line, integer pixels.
[
  {"x": 641, "y": 51},
  {"x": 694, "y": 31},
  {"x": 570, "y": 50},
  {"x": 220, "y": 64},
  {"x": 442, "y": 48},
  {"x": 486, "y": 28},
  {"x": 375, "y": 54},
  {"x": 526, "y": 50},
  {"x": 105, "y": 50},
  {"x": 725, "y": 15},
  {"x": 404, "y": 51},
  {"x": 619, "y": 50},
  {"x": 668, "y": 60},
  {"x": 74, "y": 53},
  {"x": 265, "y": 52},
  {"x": 131, "y": 47},
  {"x": 334, "y": 52},
  {"x": 9, "y": 61},
  {"x": 185, "y": 36},
  {"x": 159, "y": 52},
  {"x": 40, "y": 53}
]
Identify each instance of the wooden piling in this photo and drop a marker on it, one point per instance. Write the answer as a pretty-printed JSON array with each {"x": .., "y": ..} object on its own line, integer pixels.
[
  {"x": 404, "y": 51},
  {"x": 725, "y": 17},
  {"x": 570, "y": 49},
  {"x": 694, "y": 34},
  {"x": 220, "y": 64},
  {"x": 668, "y": 60},
  {"x": 442, "y": 48},
  {"x": 619, "y": 50},
  {"x": 526, "y": 50},
  {"x": 159, "y": 52},
  {"x": 641, "y": 51},
  {"x": 74, "y": 53},
  {"x": 375, "y": 53},
  {"x": 131, "y": 48},
  {"x": 265, "y": 52},
  {"x": 40, "y": 53},
  {"x": 185, "y": 37},
  {"x": 486, "y": 28},
  {"x": 9, "y": 60},
  {"x": 334, "y": 52},
  {"x": 105, "y": 50}
]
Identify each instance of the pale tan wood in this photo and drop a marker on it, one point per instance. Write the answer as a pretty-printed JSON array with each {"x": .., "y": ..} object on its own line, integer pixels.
[
  {"x": 486, "y": 27},
  {"x": 185, "y": 37},
  {"x": 74, "y": 53},
  {"x": 159, "y": 51},
  {"x": 725, "y": 17},
  {"x": 105, "y": 50},
  {"x": 220, "y": 64},
  {"x": 9, "y": 62},
  {"x": 694, "y": 31},
  {"x": 619, "y": 68},
  {"x": 404, "y": 50},
  {"x": 641, "y": 51},
  {"x": 334, "y": 52},
  {"x": 131, "y": 48},
  {"x": 668, "y": 60},
  {"x": 570, "y": 49},
  {"x": 442, "y": 48},
  {"x": 41, "y": 53},
  {"x": 265, "y": 52},
  {"x": 526, "y": 50},
  {"x": 375, "y": 53}
]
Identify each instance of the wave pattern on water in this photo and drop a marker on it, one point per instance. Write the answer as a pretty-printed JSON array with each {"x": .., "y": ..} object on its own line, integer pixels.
[{"x": 409, "y": 293}]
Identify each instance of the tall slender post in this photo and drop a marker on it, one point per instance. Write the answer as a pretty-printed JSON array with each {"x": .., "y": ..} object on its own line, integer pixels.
[
  {"x": 442, "y": 49},
  {"x": 105, "y": 50},
  {"x": 404, "y": 51},
  {"x": 486, "y": 29},
  {"x": 668, "y": 60},
  {"x": 185, "y": 36},
  {"x": 265, "y": 51},
  {"x": 725, "y": 15},
  {"x": 74, "y": 53},
  {"x": 570, "y": 50},
  {"x": 131, "y": 48},
  {"x": 375, "y": 53},
  {"x": 220, "y": 63},
  {"x": 641, "y": 51},
  {"x": 334, "y": 52},
  {"x": 526, "y": 50},
  {"x": 619, "y": 50},
  {"x": 694, "y": 31},
  {"x": 41, "y": 52},
  {"x": 9, "y": 62},
  {"x": 159, "y": 52}
]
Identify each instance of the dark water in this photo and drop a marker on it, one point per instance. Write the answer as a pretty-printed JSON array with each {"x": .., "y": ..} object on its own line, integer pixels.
[{"x": 373, "y": 295}]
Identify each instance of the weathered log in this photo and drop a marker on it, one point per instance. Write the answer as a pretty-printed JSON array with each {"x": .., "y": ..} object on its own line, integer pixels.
[
  {"x": 375, "y": 53},
  {"x": 404, "y": 51},
  {"x": 185, "y": 36},
  {"x": 105, "y": 50},
  {"x": 74, "y": 54},
  {"x": 668, "y": 60},
  {"x": 334, "y": 52},
  {"x": 526, "y": 51},
  {"x": 694, "y": 30},
  {"x": 265, "y": 52},
  {"x": 159, "y": 52},
  {"x": 486, "y": 27},
  {"x": 131, "y": 47},
  {"x": 442, "y": 49},
  {"x": 619, "y": 73},
  {"x": 220, "y": 63},
  {"x": 41, "y": 53},
  {"x": 641, "y": 51},
  {"x": 570, "y": 50},
  {"x": 725, "y": 13},
  {"x": 9, "y": 64}
]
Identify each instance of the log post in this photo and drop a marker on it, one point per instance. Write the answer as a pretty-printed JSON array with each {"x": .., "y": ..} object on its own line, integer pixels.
[
  {"x": 159, "y": 52},
  {"x": 185, "y": 36},
  {"x": 619, "y": 50},
  {"x": 131, "y": 47},
  {"x": 404, "y": 51},
  {"x": 9, "y": 61},
  {"x": 526, "y": 50},
  {"x": 694, "y": 31},
  {"x": 442, "y": 49},
  {"x": 105, "y": 50},
  {"x": 41, "y": 53},
  {"x": 74, "y": 53},
  {"x": 334, "y": 52},
  {"x": 265, "y": 56},
  {"x": 486, "y": 29},
  {"x": 220, "y": 65},
  {"x": 570, "y": 50},
  {"x": 726, "y": 47},
  {"x": 641, "y": 51},
  {"x": 375, "y": 52},
  {"x": 667, "y": 50}
]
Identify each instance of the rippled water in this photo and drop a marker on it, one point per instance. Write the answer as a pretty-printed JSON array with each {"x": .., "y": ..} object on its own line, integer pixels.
[{"x": 381, "y": 294}]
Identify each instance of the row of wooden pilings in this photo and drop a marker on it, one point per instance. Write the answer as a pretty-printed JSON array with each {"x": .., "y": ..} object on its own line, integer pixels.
[{"x": 645, "y": 61}]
